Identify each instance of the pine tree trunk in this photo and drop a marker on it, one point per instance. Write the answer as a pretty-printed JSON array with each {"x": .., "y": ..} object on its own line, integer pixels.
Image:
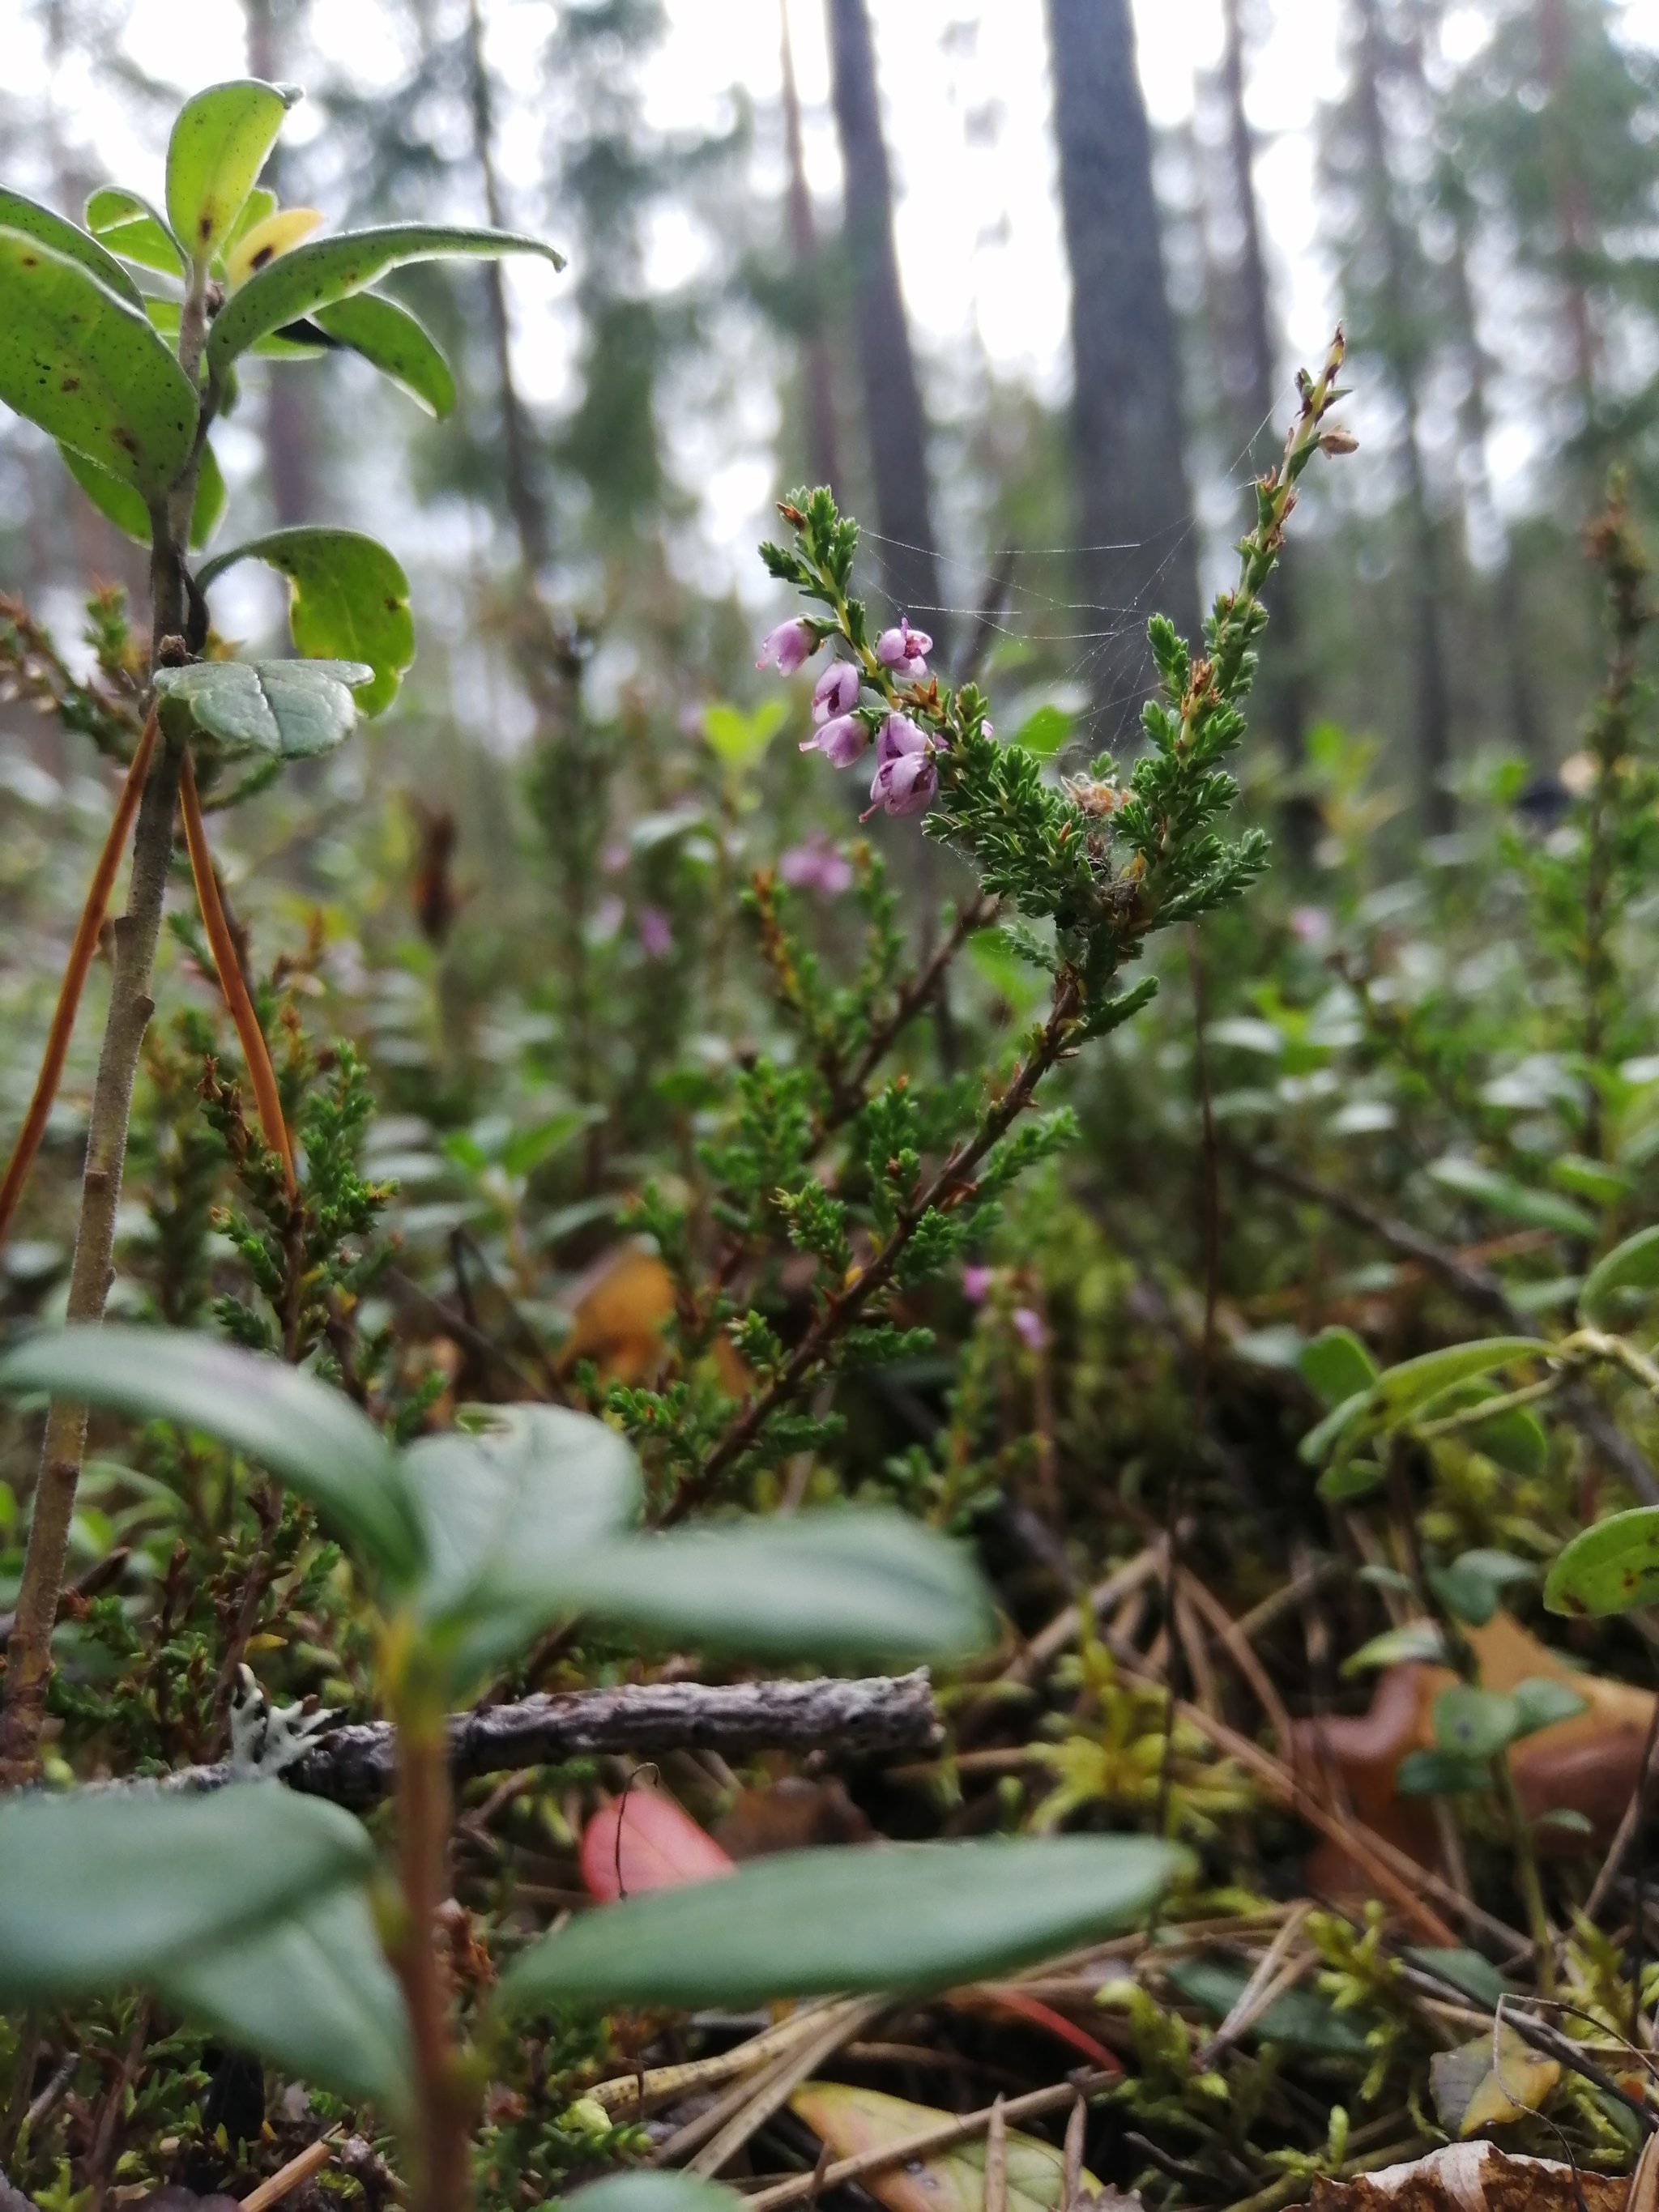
[
  {"x": 822, "y": 442},
  {"x": 1283, "y": 706},
  {"x": 893, "y": 398},
  {"x": 1432, "y": 709},
  {"x": 1135, "y": 513}
]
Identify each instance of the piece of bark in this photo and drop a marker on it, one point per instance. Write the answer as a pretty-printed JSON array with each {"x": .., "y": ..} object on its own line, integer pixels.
[{"x": 881, "y": 1713}]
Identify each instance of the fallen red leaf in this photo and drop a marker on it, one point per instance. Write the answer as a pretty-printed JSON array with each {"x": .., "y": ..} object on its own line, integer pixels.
[{"x": 643, "y": 1841}]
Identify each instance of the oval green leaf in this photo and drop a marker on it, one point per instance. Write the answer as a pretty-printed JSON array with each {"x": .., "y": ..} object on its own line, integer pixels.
[
  {"x": 123, "y": 506},
  {"x": 88, "y": 369},
  {"x": 281, "y": 709},
  {"x": 1514, "y": 1201},
  {"x": 1608, "y": 1568},
  {"x": 1438, "y": 1773},
  {"x": 1540, "y": 1701},
  {"x": 642, "y": 2190},
  {"x": 1631, "y": 1266},
  {"x": 218, "y": 149},
  {"x": 107, "y": 1887},
  {"x": 329, "y": 269},
  {"x": 312, "y": 1438},
  {"x": 503, "y": 1509},
  {"x": 1335, "y": 1365},
  {"x": 1398, "y": 1647},
  {"x": 1475, "y": 1723},
  {"x": 20, "y": 214},
  {"x": 348, "y": 601},
  {"x": 853, "y": 1585},
  {"x": 312, "y": 1991},
  {"x": 894, "y": 1917},
  {"x": 130, "y": 227},
  {"x": 390, "y": 339},
  {"x": 1404, "y": 1389}
]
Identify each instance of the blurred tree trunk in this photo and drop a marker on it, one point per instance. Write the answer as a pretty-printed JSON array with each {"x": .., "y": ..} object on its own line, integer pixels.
[
  {"x": 892, "y": 398},
  {"x": 290, "y": 429},
  {"x": 524, "y": 498},
  {"x": 1404, "y": 341},
  {"x": 823, "y": 457},
  {"x": 1283, "y": 706},
  {"x": 1136, "y": 517}
]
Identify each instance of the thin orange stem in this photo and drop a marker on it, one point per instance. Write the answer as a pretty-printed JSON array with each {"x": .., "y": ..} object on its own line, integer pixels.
[
  {"x": 75, "y": 977},
  {"x": 261, "y": 1073}
]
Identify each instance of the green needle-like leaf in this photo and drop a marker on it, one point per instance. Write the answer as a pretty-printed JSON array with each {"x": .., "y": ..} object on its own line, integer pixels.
[
  {"x": 348, "y": 601},
  {"x": 390, "y": 339},
  {"x": 282, "y": 710},
  {"x": 325, "y": 270},
  {"x": 76, "y": 358},
  {"x": 314, "y": 1438},
  {"x": 113, "y": 1887},
  {"x": 895, "y": 1917},
  {"x": 218, "y": 149}
]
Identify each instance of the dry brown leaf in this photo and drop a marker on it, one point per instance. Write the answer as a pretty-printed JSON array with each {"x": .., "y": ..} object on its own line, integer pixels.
[
  {"x": 1586, "y": 1764},
  {"x": 1472, "y": 2177},
  {"x": 617, "y": 1313},
  {"x": 853, "y": 2121}
]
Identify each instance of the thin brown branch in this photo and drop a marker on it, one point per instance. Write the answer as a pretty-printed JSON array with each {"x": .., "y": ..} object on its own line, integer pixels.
[
  {"x": 86, "y": 934},
  {"x": 950, "y": 1185},
  {"x": 261, "y": 1074}
]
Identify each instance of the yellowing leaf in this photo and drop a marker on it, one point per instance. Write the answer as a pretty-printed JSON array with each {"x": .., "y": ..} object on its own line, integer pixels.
[
  {"x": 1471, "y": 2094},
  {"x": 853, "y": 2121},
  {"x": 263, "y": 241}
]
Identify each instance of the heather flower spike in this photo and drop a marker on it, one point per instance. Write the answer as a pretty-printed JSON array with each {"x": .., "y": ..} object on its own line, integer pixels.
[{"x": 790, "y": 644}]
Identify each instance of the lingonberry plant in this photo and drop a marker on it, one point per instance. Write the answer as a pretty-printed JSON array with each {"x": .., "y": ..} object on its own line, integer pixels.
[{"x": 129, "y": 382}]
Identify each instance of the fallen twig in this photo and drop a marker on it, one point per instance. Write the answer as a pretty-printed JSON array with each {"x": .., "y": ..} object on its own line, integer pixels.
[
  {"x": 287, "y": 2179},
  {"x": 356, "y": 1766}
]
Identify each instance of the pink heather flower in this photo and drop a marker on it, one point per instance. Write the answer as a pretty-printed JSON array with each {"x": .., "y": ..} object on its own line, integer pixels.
[
  {"x": 904, "y": 649},
  {"x": 816, "y": 866},
  {"x": 792, "y": 645},
  {"x": 615, "y": 857},
  {"x": 1028, "y": 1327},
  {"x": 841, "y": 741},
  {"x": 836, "y": 691},
  {"x": 606, "y": 921},
  {"x": 906, "y": 781},
  {"x": 1310, "y": 923},
  {"x": 656, "y": 938},
  {"x": 976, "y": 1283}
]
